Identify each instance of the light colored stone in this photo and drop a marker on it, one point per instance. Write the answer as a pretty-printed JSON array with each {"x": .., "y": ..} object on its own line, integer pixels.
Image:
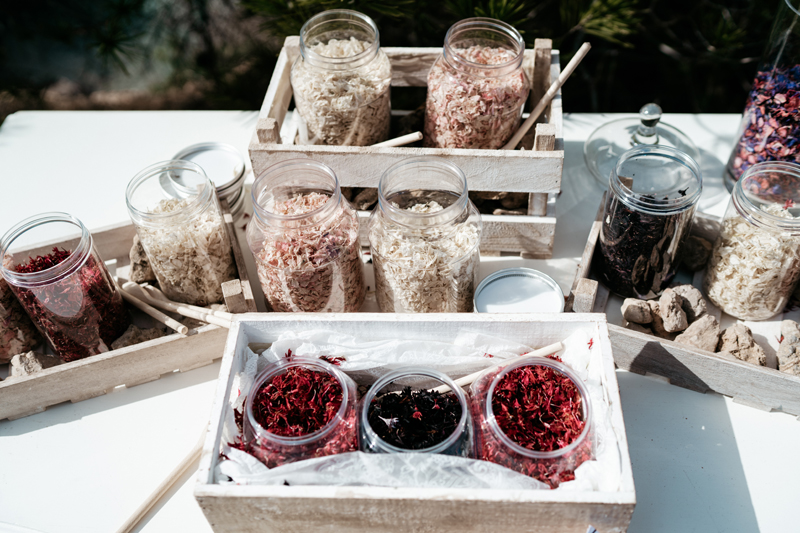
[
  {"x": 738, "y": 341},
  {"x": 703, "y": 333},
  {"x": 789, "y": 350},
  {"x": 134, "y": 335},
  {"x": 25, "y": 364},
  {"x": 637, "y": 311},
  {"x": 695, "y": 252},
  {"x": 692, "y": 301},
  {"x": 657, "y": 325},
  {"x": 140, "y": 265},
  {"x": 671, "y": 312},
  {"x": 633, "y": 326}
]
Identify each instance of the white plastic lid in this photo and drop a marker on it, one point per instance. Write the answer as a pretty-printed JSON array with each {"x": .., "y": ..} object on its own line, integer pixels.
[{"x": 519, "y": 290}]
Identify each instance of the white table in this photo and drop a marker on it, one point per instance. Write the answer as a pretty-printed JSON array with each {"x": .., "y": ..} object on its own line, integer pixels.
[{"x": 701, "y": 463}]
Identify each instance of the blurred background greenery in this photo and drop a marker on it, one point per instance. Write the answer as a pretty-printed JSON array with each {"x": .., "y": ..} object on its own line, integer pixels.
[{"x": 686, "y": 55}]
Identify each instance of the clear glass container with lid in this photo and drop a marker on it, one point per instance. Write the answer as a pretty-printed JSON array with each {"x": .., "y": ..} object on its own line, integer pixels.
[
  {"x": 341, "y": 81},
  {"x": 66, "y": 290},
  {"x": 445, "y": 426},
  {"x": 652, "y": 197},
  {"x": 174, "y": 207},
  {"x": 755, "y": 262},
  {"x": 304, "y": 237},
  {"x": 424, "y": 237},
  {"x": 300, "y": 408},
  {"x": 476, "y": 88}
]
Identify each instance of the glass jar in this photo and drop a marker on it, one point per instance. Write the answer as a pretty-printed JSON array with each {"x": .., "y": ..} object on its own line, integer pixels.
[
  {"x": 304, "y": 237},
  {"x": 755, "y": 263},
  {"x": 174, "y": 207},
  {"x": 341, "y": 81},
  {"x": 652, "y": 196},
  {"x": 476, "y": 88},
  {"x": 310, "y": 382},
  {"x": 494, "y": 445},
  {"x": 17, "y": 332},
  {"x": 771, "y": 121},
  {"x": 457, "y": 442},
  {"x": 424, "y": 236},
  {"x": 66, "y": 290}
]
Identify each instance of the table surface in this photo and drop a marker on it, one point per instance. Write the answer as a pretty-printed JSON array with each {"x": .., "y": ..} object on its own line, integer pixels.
[{"x": 701, "y": 463}]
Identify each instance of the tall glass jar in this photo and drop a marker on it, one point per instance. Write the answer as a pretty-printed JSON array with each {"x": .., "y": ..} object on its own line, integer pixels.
[
  {"x": 341, "y": 80},
  {"x": 652, "y": 197},
  {"x": 424, "y": 236},
  {"x": 315, "y": 385},
  {"x": 476, "y": 88},
  {"x": 66, "y": 290},
  {"x": 755, "y": 263},
  {"x": 174, "y": 207},
  {"x": 304, "y": 237},
  {"x": 17, "y": 332},
  {"x": 771, "y": 121}
]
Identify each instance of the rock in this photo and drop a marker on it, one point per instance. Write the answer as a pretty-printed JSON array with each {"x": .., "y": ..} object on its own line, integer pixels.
[
  {"x": 134, "y": 335},
  {"x": 738, "y": 341},
  {"x": 140, "y": 266},
  {"x": 671, "y": 312},
  {"x": 658, "y": 323},
  {"x": 637, "y": 311},
  {"x": 365, "y": 199},
  {"x": 789, "y": 350},
  {"x": 703, "y": 333},
  {"x": 633, "y": 326},
  {"x": 692, "y": 302},
  {"x": 695, "y": 253},
  {"x": 25, "y": 364}
]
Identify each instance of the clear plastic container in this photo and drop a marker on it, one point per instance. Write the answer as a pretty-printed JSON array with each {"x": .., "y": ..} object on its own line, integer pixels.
[
  {"x": 174, "y": 207},
  {"x": 652, "y": 197},
  {"x": 755, "y": 263},
  {"x": 67, "y": 291},
  {"x": 771, "y": 123},
  {"x": 339, "y": 435},
  {"x": 17, "y": 332},
  {"x": 304, "y": 237},
  {"x": 341, "y": 81},
  {"x": 424, "y": 235},
  {"x": 476, "y": 88},
  {"x": 459, "y": 442},
  {"x": 492, "y": 443}
]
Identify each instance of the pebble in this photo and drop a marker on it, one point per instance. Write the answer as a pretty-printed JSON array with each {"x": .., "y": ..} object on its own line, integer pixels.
[
  {"x": 658, "y": 322},
  {"x": 789, "y": 350},
  {"x": 25, "y": 364},
  {"x": 672, "y": 312},
  {"x": 140, "y": 266},
  {"x": 692, "y": 301},
  {"x": 637, "y": 311},
  {"x": 738, "y": 341},
  {"x": 703, "y": 333},
  {"x": 134, "y": 335}
]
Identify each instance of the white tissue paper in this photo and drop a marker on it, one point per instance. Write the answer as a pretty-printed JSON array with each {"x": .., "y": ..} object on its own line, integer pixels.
[{"x": 367, "y": 361}]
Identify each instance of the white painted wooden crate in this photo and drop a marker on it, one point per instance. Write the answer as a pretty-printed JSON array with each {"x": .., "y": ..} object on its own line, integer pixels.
[
  {"x": 148, "y": 361},
  {"x": 535, "y": 171},
  {"x": 698, "y": 370},
  {"x": 300, "y": 509}
]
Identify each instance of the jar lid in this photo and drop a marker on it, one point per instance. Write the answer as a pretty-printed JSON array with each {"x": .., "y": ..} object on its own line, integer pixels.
[
  {"x": 223, "y": 164},
  {"x": 518, "y": 290}
]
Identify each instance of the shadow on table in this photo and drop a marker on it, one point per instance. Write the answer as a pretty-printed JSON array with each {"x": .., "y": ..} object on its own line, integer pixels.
[
  {"x": 69, "y": 412},
  {"x": 686, "y": 463}
]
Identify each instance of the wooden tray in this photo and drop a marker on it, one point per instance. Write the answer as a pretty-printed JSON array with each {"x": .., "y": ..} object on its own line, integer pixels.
[
  {"x": 300, "y": 509},
  {"x": 757, "y": 386},
  {"x": 536, "y": 171},
  {"x": 93, "y": 376}
]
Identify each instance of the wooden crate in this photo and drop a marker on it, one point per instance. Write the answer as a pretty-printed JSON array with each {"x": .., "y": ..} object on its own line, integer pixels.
[
  {"x": 148, "y": 361},
  {"x": 536, "y": 171},
  {"x": 299, "y": 509},
  {"x": 698, "y": 370}
]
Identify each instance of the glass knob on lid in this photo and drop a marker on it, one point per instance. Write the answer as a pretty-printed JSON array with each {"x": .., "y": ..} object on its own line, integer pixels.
[{"x": 612, "y": 139}]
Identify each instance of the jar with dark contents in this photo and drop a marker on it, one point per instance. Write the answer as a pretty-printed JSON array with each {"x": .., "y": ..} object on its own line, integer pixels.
[{"x": 652, "y": 197}]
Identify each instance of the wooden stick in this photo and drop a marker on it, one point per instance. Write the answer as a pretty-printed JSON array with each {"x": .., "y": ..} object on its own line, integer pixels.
[
  {"x": 156, "y": 293},
  {"x": 162, "y": 489},
  {"x": 548, "y": 96},
  {"x": 468, "y": 379},
  {"x": 155, "y": 313},
  {"x": 402, "y": 140},
  {"x": 181, "y": 309}
]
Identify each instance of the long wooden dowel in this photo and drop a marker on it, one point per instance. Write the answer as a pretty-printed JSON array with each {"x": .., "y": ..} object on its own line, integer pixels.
[
  {"x": 162, "y": 489},
  {"x": 469, "y": 378},
  {"x": 548, "y": 96},
  {"x": 158, "y": 295},
  {"x": 181, "y": 309},
  {"x": 402, "y": 140},
  {"x": 153, "y": 312}
]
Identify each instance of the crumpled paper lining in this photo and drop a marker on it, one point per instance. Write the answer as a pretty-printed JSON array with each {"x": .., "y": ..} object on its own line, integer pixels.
[{"x": 365, "y": 362}]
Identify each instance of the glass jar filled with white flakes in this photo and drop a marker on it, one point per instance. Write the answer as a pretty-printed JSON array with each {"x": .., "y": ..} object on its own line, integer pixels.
[
  {"x": 755, "y": 263},
  {"x": 424, "y": 236},
  {"x": 341, "y": 81},
  {"x": 476, "y": 89},
  {"x": 304, "y": 238},
  {"x": 175, "y": 209}
]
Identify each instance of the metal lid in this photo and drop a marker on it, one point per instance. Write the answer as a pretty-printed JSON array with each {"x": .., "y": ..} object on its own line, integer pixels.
[
  {"x": 518, "y": 290},
  {"x": 223, "y": 164}
]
